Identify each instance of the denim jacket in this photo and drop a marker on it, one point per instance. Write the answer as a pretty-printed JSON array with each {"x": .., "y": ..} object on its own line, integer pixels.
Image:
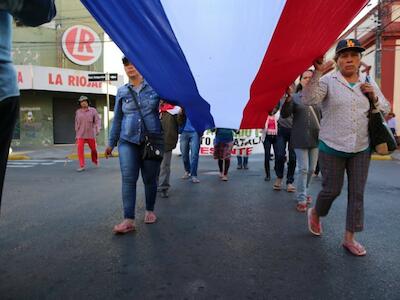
[{"x": 128, "y": 124}]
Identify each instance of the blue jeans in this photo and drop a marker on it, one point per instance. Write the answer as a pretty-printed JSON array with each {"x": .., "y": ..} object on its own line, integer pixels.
[
  {"x": 190, "y": 144},
  {"x": 130, "y": 160},
  {"x": 282, "y": 140},
  {"x": 307, "y": 161},
  {"x": 242, "y": 161}
]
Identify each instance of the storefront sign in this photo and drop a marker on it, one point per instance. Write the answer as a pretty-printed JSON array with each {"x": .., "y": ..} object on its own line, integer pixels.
[
  {"x": 61, "y": 80},
  {"x": 81, "y": 45},
  {"x": 24, "y": 77}
]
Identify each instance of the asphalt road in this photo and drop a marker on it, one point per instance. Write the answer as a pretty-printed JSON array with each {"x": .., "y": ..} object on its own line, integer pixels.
[{"x": 214, "y": 240}]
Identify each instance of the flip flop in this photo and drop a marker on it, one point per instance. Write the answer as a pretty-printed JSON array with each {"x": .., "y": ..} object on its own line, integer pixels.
[
  {"x": 313, "y": 227},
  {"x": 355, "y": 248},
  {"x": 124, "y": 227},
  {"x": 150, "y": 218}
]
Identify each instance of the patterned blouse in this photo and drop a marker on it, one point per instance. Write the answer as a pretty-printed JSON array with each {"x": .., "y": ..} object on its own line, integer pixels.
[{"x": 344, "y": 124}]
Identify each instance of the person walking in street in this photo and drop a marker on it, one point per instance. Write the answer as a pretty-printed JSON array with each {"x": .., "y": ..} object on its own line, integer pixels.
[
  {"x": 133, "y": 100},
  {"x": 87, "y": 127},
  {"x": 30, "y": 13},
  {"x": 391, "y": 121},
  {"x": 304, "y": 139},
  {"x": 283, "y": 142},
  {"x": 242, "y": 161},
  {"x": 170, "y": 126},
  {"x": 190, "y": 146},
  {"x": 223, "y": 144},
  {"x": 344, "y": 96},
  {"x": 269, "y": 135}
]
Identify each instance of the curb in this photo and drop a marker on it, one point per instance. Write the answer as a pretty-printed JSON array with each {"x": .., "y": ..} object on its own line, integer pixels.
[
  {"x": 88, "y": 155},
  {"x": 18, "y": 157},
  {"x": 381, "y": 157}
]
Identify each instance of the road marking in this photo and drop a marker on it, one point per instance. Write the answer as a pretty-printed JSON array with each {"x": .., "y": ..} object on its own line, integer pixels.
[
  {"x": 32, "y": 163},
  {"x": 20, "y": 166}
]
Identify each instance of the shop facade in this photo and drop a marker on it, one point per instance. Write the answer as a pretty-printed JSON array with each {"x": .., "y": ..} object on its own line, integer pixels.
[
  {"x": 48, "y": 103},
  {"x": 53, "y": 62}
]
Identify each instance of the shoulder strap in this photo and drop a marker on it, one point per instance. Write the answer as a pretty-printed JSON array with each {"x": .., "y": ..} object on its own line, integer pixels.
[
  {"x": 138, "y": 107},
  {"x": 315, "y": 116}
]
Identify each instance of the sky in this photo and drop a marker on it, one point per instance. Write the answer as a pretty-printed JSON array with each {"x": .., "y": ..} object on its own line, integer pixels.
[{"x": 371, "y": 5}]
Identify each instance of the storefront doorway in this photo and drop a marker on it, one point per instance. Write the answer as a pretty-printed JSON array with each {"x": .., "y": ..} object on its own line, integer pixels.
[{"x": 64, "y": 120}]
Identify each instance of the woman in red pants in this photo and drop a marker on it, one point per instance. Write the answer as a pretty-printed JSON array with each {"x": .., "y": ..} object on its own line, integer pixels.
[{"x": 87, "y": 126}]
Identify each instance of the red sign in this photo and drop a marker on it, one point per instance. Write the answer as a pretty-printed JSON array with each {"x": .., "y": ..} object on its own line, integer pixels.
[{"x": 81, "y": 45}]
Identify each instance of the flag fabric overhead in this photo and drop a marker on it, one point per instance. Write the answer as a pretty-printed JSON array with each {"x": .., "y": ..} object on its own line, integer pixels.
[{"x": 226, "y": 62}]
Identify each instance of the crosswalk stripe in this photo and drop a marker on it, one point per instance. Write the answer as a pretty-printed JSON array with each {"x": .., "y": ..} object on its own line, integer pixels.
[
  {"x": 20, "y": 166},
  {"x": 32, "y": 163}
]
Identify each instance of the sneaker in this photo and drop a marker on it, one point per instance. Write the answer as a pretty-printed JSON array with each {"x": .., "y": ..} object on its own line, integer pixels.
[
  {"x": 164, "y": 194},
  {"x": 290, "y": 188},
  {"x": 314, "y": 225},
  {"x": 245, "y": 167},
  {"x": 80, "y": 169},
  {"x": 267, "y": 178},
  {"x": 195, "y": 179},
  {"x": 224, "y": 178},
  {"x": 239, "y": 167},
  {"x": 186, "y": 175}
]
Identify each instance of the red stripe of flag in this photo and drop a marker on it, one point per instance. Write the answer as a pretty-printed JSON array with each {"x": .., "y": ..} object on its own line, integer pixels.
[{"x": 305, "y": 31}]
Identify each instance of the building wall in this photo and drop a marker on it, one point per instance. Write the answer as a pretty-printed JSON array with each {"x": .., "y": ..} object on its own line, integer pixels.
[{"x": 42, "y": 45}]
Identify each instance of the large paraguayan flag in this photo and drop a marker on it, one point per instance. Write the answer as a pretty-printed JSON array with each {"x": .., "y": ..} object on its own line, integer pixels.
[{"x": 227, "y": 62}]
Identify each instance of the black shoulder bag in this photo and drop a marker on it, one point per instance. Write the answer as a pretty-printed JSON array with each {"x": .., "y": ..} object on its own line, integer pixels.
[
  {"x": 381, "y": 137},
  {"x": 153, "y": 142}
]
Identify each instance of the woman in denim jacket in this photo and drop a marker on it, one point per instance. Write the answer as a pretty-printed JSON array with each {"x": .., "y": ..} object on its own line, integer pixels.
[{"x": 128, "y": 133}]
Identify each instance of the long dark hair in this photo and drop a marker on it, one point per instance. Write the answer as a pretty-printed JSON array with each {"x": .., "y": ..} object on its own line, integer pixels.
[{"x": 299, "y": 87}]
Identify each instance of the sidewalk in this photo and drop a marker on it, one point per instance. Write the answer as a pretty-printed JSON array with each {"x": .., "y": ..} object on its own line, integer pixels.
[{"x": 53, "y": 152}]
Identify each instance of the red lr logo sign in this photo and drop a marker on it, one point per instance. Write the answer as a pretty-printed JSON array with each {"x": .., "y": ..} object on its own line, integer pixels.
[{"x": 81, "y": 45}]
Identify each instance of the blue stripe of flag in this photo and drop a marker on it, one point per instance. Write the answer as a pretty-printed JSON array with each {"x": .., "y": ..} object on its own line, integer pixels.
[{"x": 142, "y": 31}]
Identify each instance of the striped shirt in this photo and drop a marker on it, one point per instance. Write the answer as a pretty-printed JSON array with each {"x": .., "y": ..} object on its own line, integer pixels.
[{"x": 344, "y": 124}]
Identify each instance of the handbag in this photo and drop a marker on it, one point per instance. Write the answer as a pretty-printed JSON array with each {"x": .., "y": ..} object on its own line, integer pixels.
[
  {"x": 153, "y": 148},
  {"x": 381, "y": 137}
]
